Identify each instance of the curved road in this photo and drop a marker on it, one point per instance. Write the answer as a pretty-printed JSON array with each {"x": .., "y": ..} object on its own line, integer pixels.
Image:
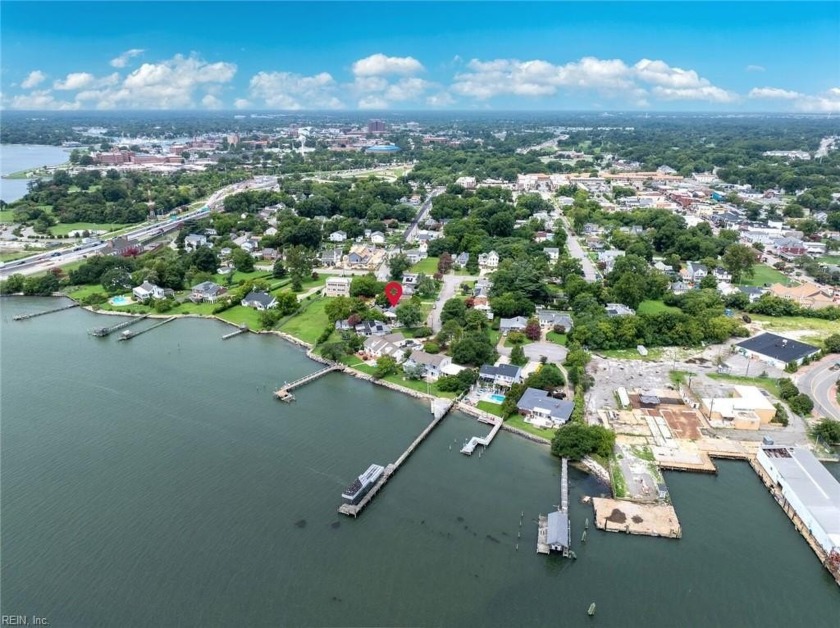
[{"x": 818, "y": 382}]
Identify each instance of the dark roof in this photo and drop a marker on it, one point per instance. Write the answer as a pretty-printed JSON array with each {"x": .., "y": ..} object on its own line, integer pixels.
[
  {"x": 263, "y": 298},
  {"x": 506, "y": 370},
  {"x": 778, "y": 347},
  {"x": 560, "y": 409}
]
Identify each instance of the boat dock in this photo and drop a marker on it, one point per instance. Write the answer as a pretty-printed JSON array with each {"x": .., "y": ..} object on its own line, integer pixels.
[
  {"x": 353, "y": 510},
  {"x": 101, "y": 332},
  {"x": 128, "y": 334},
  {"x": 485, "y": 441},
  {"x": 285, "y": 393},
  {"x": 23, "y": 317},
  {"x": 554, "y": 531},
  {"x": 242, "y": 329}
]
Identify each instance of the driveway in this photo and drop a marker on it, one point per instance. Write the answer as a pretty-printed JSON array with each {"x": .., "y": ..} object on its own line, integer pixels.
[
  {"x": 534, "y": 351},
  {"x": 447, "y": 291}
]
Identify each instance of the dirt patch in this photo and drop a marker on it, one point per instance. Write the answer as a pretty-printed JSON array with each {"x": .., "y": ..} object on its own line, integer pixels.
[
  {"x": 637, "y": 519},
  {"x": 616, "y": 516},
  {"x": 684, "y": 422}
]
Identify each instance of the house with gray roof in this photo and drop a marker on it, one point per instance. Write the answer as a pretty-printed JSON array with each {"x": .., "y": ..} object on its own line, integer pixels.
[
  {"x": 206, "y": 292},
  {"x": 259, "y": 300},
  {"x": 618, "y": 309},
  {"x": 549, "y": 318},
  {"x": 501, "y": 376},
  {"x": 516, "y": 323},
  {"x": 543, "y": 410},
  {"x": 432, "y": 363}
]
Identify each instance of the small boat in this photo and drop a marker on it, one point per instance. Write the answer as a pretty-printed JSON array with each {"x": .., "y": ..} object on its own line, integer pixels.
[{"x": 591, "y": 610}]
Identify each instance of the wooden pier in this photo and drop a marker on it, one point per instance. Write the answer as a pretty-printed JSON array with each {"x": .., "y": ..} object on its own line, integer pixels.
[
  {"x": 23, "y": 317},
  {"x": 564, "y": 545},
  {"x": 128, "y": 334},
  {"x": 353, "y": 510},
  {"x": 242, "y": 329},
  {"x": 285, "y": 393},
  {"x": 475, "y": 441},
  {"x": 101, "y": 332}
]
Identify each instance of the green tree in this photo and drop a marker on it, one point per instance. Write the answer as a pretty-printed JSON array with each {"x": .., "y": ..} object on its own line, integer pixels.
[
  {"x": 474, "y": 348},
  {"x": 279, "y": 271},
  {"x": 832, "y": 343},
  {"x": 517, "y": 356},
  {"x": 454, "y": 309},
  {"x": 398, "y": 264},
  {"x": 386, "y": 365},
  {"x": 334, "y": 351},
  {"x": 242, "y": 260},
  {"x": 577, "y": 440},
  {"x": 300, "y": 262},
  {"x": 828, "y": 431},
  {"x": 739, "y": 260},
  {"x": 409, "y": 314}
]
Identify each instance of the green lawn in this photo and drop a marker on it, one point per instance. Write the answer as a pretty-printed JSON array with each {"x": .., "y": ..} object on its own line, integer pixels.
[
  {"x": 654, "y": 353},
  {"x": 654, "y": 307},
  {"x": 65, "y": 228},
  {"x": 518, "y": 422},
  {"x": 492, "y": 408},
  {"x": 418, "y": 385},
  {"x": 524, "y": 342},
  {"x": 763, "y": 274},
  {"x": 240, "y": 277},
  {"x": 188, "y": 307},
  {"x": 240, "y": 314},
  {"x": 827, "y": 259},
  {"x": 560, "y": 339},
  {"x": 7, "y": 215},
  {"x": 494, "y": 335},
  {"x": 309, "y": 324},
  {"x": 820, "y": 328},
  {"x": 80, "y": 292},
  {"x": 13, "y": 255},
  {"x": 679, "y": 377},
  {"x": 427, "y": 266},
  {"x": 770, "y": 385}
]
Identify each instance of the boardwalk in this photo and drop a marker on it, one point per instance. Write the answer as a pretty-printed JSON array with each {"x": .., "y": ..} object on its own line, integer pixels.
[
  {"x": 353, "y": 510},
  {"x": 23, "y": 317},
  {"x": 128, "y": 334},
  {"x": 285, "y": 393}
]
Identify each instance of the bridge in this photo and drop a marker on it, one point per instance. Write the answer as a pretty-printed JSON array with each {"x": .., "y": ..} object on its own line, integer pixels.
[{"x": 285, "y": 393}]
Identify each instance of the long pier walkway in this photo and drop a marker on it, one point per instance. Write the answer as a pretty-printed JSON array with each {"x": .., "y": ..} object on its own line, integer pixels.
[
  {"x": 242, "y": 329},
  {"x": 475, "y": 441},
  {"x": 107, "y": 331},
  {"x": 128, "y": 334},
  {"x": 353, "y": 510},
  {"x": 285, "y": 393},
  {"x": 547, "y": 542},
  {"x": 23, "y": 317}
]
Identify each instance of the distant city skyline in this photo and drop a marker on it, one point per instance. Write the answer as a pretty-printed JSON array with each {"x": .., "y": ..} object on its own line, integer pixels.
[{"x": 655, "y": 56}]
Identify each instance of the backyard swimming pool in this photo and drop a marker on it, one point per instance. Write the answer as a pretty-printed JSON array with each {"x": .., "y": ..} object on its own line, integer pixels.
[
  {"x": 119, "y": 301},
  {"x": 494, "y": 398}
]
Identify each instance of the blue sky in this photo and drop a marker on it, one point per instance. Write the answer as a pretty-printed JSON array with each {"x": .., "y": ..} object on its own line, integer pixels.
[{"x": 677, "y": 56}]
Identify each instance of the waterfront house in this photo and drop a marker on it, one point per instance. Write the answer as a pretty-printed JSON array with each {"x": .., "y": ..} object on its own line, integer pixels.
[
  {"x": 337, "y": 287},
  {"x": 259, "y": 300},
  {"x": 146, "y": 291},
  {"x": 206, "y": 292},
  {"x": 432, "y": 363},
  {"x": 501, "y": 376},
  {"x": 390, "y": 345},
  {"x": 543, "y": 410}
]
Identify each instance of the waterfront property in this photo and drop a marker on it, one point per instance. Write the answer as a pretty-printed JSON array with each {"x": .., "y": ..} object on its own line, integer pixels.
[
  {"x": 206, "y": 292},
  {"x": 541, "y": 409},
  {"x": 500, "y": 377},
  {"x": 777, "y": 350},
  {"x": 807, "y": 487},
  {"x": 259, "y": 300},
  {"x": 748, "y": 409}
]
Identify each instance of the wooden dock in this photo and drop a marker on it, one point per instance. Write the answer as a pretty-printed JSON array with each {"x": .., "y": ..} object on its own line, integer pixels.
[
  {"x": 353, "y": 510},
  {"x": 475, "y": 441},
  {"x": 23, "y": 317},
  {"x": 285, "y": 393},
  {"x": 128, "y": 334},
  {"x": 543, "y": 542},
  {"x": 101, "y": 332},
  {"x": 242, "y": 329}
]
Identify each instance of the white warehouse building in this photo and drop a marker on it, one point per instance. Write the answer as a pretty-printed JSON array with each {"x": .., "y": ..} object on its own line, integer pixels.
[{"x": 809, "y": 488}]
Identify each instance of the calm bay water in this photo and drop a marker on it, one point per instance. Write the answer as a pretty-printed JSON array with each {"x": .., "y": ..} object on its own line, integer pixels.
[
  {"x": 17, "y": 157},
  {"x": 156, "y": 482}
]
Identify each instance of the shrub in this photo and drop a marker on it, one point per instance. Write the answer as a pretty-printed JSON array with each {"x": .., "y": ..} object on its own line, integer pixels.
[
  {"x": 781, "y": 415},
  {"x": 431, "y": 347},
  {"x": 801, "y": 404}
]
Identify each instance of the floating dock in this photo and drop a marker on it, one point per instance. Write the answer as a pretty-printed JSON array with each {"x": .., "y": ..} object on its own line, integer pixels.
[
  {"x": 285, "y": 393},
  {"x": 23, "y": 317},
  {"x": 353, "y": 510},
  {"x": 129, "y": 334},
  {"x": 101, "y": 332},
  {"x": 621, "y": 515}
]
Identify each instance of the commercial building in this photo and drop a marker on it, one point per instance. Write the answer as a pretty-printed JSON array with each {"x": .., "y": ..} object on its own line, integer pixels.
[
  {"x": 808, "y": 488},
  {"x": 748, "y": 409},
  {"x": 777, "y": 350}
]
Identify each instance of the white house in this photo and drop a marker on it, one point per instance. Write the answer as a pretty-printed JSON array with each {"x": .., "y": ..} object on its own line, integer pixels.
[
  {"x": 553, "y": 253},
  {"x": 146, "y": 291},
  {"x": 195, "y": 240},
  {"x": 377, "y": 237},
  {"x": 431, "y": 363},
  {"x": 488, "y": 261},
  {"x": 338, "y": 236}
]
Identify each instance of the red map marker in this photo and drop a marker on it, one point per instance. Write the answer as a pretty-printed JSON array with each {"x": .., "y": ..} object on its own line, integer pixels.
[{"x": 393, "y": 292}]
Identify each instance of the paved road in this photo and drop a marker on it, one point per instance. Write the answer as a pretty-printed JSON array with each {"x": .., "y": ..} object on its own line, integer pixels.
[
  {"x": 818, "y": 382},
  {"x": 447, "y": 291},
  {"x": 575, "y": 250},
  {"x": 425, "y": 208}
]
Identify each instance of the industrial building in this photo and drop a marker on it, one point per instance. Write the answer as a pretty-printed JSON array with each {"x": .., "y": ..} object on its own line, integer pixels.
[
  {"x": 808, "y": 488},
  {"x": 747, "y": 409},
  {"x": 777, "y": 350}
]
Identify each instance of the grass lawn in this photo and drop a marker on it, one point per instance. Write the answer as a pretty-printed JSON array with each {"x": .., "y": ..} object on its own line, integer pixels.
[
  {"x": 308, "y": 324},
  {"x": 654, "y": 307},
  {"x": 80, "y": 292},
  {"x": 427, "y": 266},
  {"x": 65, "y": 228},
  {"x": 820, "y": 328},
  {"x": 770, "y": 385},
  {"x": 492, "y": 408},
  {"x": 494, "y": 335},
  {"x": 518, "y": 422},
  {"x": 826, "y": 259},
  {"x": 763, "y": 274},
  {"x": 188, "y": 307},
  {"x": 11, "y": 256},
  {"x": 239, "y": 277},
  {"x": 418, "y": 385},
  {"x": 524, "y": 342},
  {"x": 240, "y": 314},
  {"x": 654, "y": 353},
  {"x": 560, "y": 339},
  {"x": 679, "y": 377},
  {"x": 7, "y": 215}
]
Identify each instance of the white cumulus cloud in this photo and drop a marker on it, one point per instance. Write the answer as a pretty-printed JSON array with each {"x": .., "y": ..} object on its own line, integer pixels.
[
  {"x": 242, "y": 103},
  {"x": 755, "y": 68},
  {"x": 41, "y": 100},
  {"x": 382, "y": 65},
  {"x": 287, "y": 90},
  {"x": 122, "y": 60},
  {"x": 774, "y": 93},
  {"x": 36, "y": 77},
  {"x": 75, "y": 80}
]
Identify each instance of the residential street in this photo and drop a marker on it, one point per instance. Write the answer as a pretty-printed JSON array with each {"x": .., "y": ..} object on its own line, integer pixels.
[
  {"x": 818, "y": 382},
  {"x": 575, "y": 250}
]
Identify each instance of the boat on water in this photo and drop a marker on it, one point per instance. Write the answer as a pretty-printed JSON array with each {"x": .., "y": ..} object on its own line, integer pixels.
[
  {"x": 591, "y": 610},
  {"x": 354, "y": 493}
]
